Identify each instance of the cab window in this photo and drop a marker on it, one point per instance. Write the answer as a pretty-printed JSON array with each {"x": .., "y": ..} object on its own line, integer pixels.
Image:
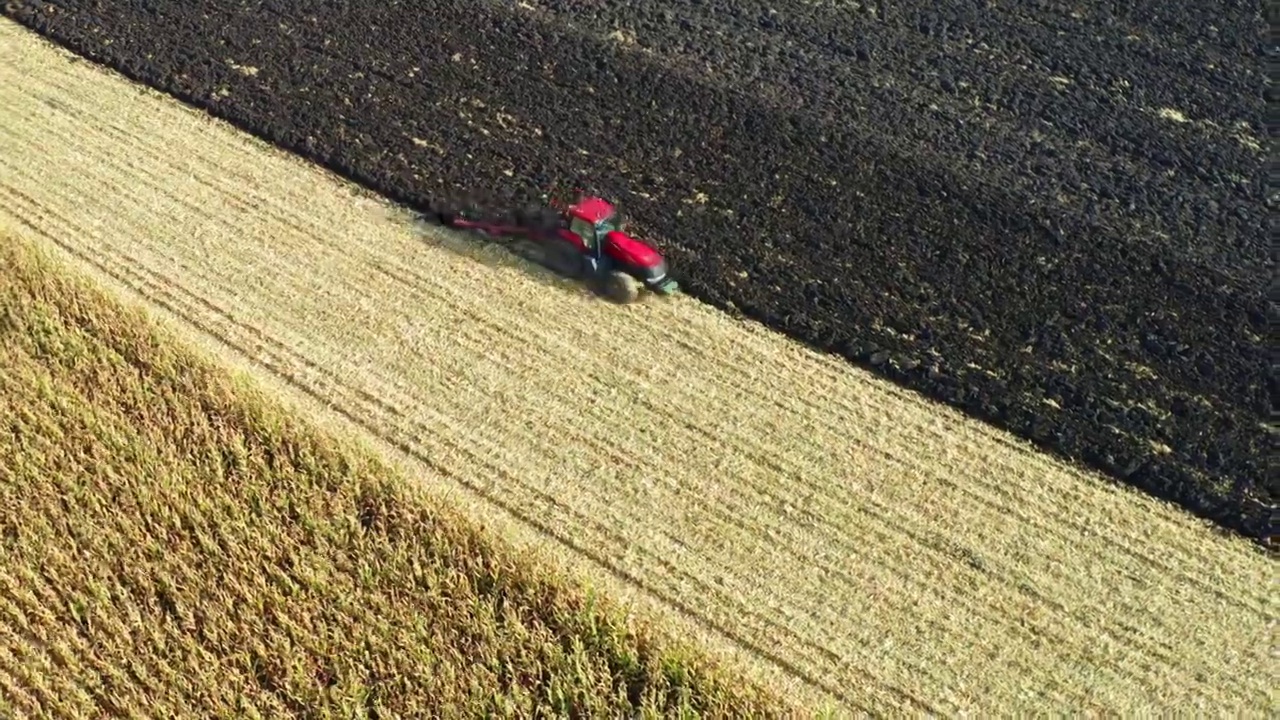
[
  {"x": 610, "y": 224},
  {"x": 584, "y": 230}
]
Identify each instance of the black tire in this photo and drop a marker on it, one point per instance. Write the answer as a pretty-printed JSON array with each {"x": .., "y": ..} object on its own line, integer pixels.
[
  {"x": 446, "y": 216},
  {"x": 621, "y": 288},
  {"x": 564, "y": 260},
  {"x": 447, "y": 209}
]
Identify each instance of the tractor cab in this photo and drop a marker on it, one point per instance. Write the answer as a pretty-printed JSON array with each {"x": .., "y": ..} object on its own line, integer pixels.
[
  {"x": 591, "y": 219},
  {"x": 598, "y": 224}
]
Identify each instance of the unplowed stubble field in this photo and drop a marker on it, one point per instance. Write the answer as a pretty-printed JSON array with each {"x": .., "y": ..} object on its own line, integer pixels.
[{"x": 857, "y": 541}]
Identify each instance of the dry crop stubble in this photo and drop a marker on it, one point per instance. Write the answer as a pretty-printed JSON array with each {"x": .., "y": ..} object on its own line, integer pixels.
[{"x": 858, "y": 541}]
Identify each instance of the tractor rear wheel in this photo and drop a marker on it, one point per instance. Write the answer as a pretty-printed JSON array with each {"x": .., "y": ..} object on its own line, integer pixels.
[
  {"x": 564, "y": 260},
  {"x": 621, "y": 287},
  {"x": 446, "y": 214}
]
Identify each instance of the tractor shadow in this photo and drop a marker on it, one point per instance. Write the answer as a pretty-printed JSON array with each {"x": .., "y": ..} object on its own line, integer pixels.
[{"x": 490, "y": 252}]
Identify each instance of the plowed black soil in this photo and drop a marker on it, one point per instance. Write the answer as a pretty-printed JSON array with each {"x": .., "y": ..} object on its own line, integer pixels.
[{"x": 1049, "y": 214}]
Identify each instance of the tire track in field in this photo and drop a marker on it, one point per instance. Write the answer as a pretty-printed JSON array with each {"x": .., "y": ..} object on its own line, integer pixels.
[{"x": 871, "y": 545}]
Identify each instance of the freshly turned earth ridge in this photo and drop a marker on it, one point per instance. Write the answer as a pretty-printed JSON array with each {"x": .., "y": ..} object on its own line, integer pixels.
[{"x": 1052, "y": 217}]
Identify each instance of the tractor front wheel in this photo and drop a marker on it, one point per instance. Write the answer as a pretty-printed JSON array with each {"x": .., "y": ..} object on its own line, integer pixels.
[{"x": 621, "y": 287}]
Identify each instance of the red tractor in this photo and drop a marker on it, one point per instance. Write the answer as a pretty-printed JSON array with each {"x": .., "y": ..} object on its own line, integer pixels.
[{"x": 585, "y": 238}]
